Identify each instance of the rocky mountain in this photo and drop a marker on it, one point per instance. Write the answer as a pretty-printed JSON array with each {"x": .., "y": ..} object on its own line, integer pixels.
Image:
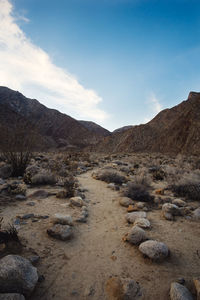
[
  {"x": 175, "y": 130},
  {"x": 122, "y": 129},
  {"x": 95, "y": 128},
  {"x": 56, "y": 128}
]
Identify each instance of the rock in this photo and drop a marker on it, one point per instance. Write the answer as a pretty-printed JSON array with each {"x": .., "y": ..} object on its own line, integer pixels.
[
  {"x": 131, "y": 217},
  {"x": 62, "y": 219},
  {"x": 154, "y": 250},
  {"x": 5, "y": 171},
  {"x": 131, "y": 208},
  {"x": 60, "y": 232},
  {"x": 122, "y": 289},
  {"x": 61, "y": 194},
  {"x": 179, "y": 292},
  {"x": 27, "y": 216},
  {"x": 140, "y": 205},
  {"x": 17, "y": 275},
  {"x": 30, "y": 203},
  {"x": 197, "y": 286},
  {"x": 125, "y": 201},
  {"x": 11, "y": 296},
  {"x": 136, "y": 235},
  {"x": 113, "y": 186},
  {"x": 131, "y": 290},
  {"x": 20, "y": 197},
  {"x": 76, "y": 201},
  {"x": 168, "y": 216},
  {"x": 196, "y": 214},
  {"x": 172, "y": 209},
  {"x": 39, "y": 194},
  {"x": 142, "y": 222},
  {"x": 179, "y": 202}
]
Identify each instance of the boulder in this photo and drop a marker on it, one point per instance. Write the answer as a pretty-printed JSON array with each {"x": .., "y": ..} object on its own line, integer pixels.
[
  {"x": 154, "y": 250},
  {"x": 76, "y": 201},
  {"x": 172, "y": 209},
  {"x": 179, "y": 202},
  {"x": 17, "y": 275},
  {"x": 62, "y": 219},
  {"x": 196, "y": 214},
  {"x": 125, "y": 201},
  {"x": 11, "y": 296},
  {"x": 136, "y": 235},
  {"x": 179, "y": 292},
  {"x": 142, "y": 222},
  {"x": 131, "y": 290},
  {"x": 131, "y": 217},
  {"x": 60, "y": 232}
]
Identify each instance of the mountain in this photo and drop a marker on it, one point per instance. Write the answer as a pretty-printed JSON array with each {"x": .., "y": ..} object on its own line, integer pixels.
[
  {"x": 56, "y": 128},
  {"x": 95, "y": 128},
  {"x": 175, "y": 130},
  {"x": 122, "y": 129}
]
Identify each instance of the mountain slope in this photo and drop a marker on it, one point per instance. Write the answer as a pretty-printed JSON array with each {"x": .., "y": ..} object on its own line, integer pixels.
[
  {"x": 95, "y": 128},
  {"x": 175, "y": 130},
  {"x": 57, "y": 127}
]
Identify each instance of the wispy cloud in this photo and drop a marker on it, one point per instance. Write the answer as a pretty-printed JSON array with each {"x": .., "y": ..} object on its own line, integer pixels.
[
  {"x": 156, "y": 106},
  {"x": 29, "y": 69}
]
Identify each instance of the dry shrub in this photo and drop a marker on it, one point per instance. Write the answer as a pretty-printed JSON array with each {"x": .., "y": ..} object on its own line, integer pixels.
[
  {"x": 138, "y": 192},
  {"x": 43, "y": 179},
  {"x": 69, "y": 186},
  {"x": 112, "y": 177},
  {"x": 188, "y": 186}
]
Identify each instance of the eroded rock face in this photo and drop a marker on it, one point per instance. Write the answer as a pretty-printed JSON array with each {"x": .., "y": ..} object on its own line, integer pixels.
[
  {"x": 154, "y": 250},
  {"x": 131, "y": 217},
  {"x": 60, "y": 232},
  {"x": 136, "y": 235},
  {"x": 179, "y": 292},
  {"x": 17, "y": 275}
]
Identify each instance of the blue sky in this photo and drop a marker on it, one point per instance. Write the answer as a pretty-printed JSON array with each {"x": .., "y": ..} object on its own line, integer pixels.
[{"x": 116, "y": 62}]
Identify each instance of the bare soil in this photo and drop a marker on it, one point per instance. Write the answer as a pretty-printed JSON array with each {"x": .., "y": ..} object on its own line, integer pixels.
[{"x": 78, "y": 269}]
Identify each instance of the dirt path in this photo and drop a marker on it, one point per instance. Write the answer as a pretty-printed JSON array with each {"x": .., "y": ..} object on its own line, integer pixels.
[{"x": 78, "y": 269}]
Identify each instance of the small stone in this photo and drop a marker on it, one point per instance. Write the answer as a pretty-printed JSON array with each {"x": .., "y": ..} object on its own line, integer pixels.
[
  {"x": 20, "y": 197},
  {"x": 125, "y": 201},
  {"x": 168, "y": 216},
  {"x": 131, "y": 290},
  {"x": 39, "y": 194},
  {"x": 136, "y": 235},
  {"x": 131, "y": 217},
  {"x": 30, "y": 203},
  {"x": 76, "y": 201},
  {"x": 62, "y": 219},
  {"x": 60, "y": 232},
  {"x": 27, "y": 216},
  {"x": 142, "y": 222},
  {"x": 179, "y": 292},
  {"x": 154, "y": 250}
]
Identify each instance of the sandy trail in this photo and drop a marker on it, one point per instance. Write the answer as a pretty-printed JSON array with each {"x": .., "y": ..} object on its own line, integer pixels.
[{"x": 78, "y": 269}]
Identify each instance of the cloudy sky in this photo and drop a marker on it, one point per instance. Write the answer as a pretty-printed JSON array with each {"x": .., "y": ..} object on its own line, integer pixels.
[{"x": 115, "y": 62}]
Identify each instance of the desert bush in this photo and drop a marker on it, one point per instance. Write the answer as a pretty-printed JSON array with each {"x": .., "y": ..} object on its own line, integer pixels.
[
  {"x": 143, "y": 178},
  {"x": 8, "y": 235},
  {"x": 188, "y": 186},
  {"x": 43, "y": 179},
  {"x": 157, "y": 173},
  {"x": 69, "y": 186},
  {"x": 17, "y": 143},
  {"x": 112, "y": 177},
  {"x": 138, "y": 192}
]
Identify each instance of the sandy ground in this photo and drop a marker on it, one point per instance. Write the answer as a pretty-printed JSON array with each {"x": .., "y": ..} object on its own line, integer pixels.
[{"x": 78, "y": 269}]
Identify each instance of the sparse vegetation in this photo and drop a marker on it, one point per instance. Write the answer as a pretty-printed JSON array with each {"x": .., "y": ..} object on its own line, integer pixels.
[
  {"x": 112, "y": 177},
  {"x": 138, "y": 192}
]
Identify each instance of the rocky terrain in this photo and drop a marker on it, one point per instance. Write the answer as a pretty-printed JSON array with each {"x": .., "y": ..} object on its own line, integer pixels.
[
  {"x": 55, "y": 129},
  {"x": 87, "y": 226},
  {"x": 172, "y": 131}
]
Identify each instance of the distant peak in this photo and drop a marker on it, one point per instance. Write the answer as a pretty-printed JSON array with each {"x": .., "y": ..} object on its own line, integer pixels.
[{"x": 193, "y": 95}]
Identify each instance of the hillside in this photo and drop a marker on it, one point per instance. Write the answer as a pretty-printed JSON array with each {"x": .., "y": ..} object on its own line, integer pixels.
[
  {"x": 58, "y": 128},
  {"x": 95, "y": 128},
  {"x": 174, "y": 130}
]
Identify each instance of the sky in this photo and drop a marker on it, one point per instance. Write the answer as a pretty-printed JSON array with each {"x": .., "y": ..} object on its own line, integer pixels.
[{"x": 114, "y": 62}]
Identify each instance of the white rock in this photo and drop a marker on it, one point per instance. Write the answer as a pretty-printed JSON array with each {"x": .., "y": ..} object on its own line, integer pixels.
[
  {"x": 131, "y": 217},
  {"x": 154, "y": 250},
  {"x": 76, "y": 201},
  {"x": 142, "y": 222},
  {"x": 62, "y": 219}
]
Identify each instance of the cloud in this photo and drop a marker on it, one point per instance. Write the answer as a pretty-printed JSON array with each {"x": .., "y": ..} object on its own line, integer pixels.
[
  {"x": 155, "y": 104},
  {"x": 29, "y": 69}
]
